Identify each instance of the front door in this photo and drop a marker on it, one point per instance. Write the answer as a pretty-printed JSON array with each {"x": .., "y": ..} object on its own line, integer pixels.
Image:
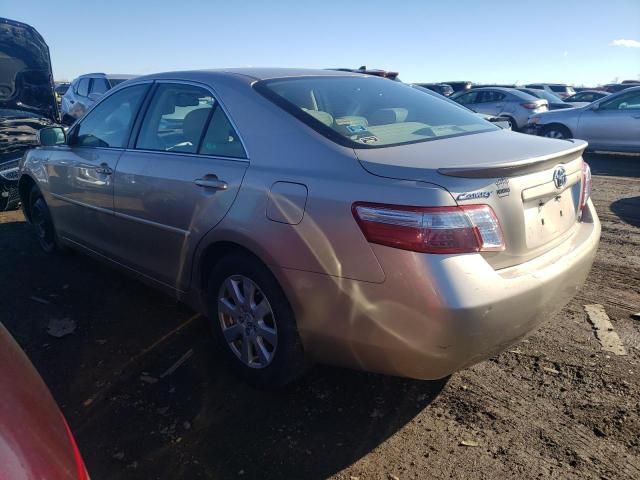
[
  {"x": 81, "y": 173},
  {"x": 177, "y": 182}
]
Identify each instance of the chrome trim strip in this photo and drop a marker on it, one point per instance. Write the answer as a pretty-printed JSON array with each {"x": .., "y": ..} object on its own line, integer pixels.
[
  {"x": 151, "y": 223},
  {"x": 81, "y": 204}
]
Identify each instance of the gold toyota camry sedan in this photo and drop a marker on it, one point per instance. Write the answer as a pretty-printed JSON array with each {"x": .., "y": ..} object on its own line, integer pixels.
[{"x": 321, "y": 216}]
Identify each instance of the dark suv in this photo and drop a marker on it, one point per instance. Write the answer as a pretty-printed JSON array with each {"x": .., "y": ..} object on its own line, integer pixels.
[{"x": 441, "y": 88}]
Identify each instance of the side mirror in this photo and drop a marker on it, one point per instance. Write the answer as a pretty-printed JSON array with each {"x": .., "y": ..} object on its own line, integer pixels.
[
  {"x": 595, "y": 107},
  {"x": 51, "y": 136},
  {"x": 94, "y": 97}
]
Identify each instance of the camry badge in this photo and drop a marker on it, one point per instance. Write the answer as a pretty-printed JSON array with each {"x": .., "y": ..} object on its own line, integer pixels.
[{"x": 560, "y": 177}]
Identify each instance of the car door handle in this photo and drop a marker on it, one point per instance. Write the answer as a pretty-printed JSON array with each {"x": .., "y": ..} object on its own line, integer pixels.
[
  {"x": 211, "y": 183},
  {"x": 636, "y": 116},
  {"x": 104, "y": 169}
]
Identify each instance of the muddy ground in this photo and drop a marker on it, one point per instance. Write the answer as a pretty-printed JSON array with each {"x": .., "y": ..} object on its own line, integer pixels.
[{"x": 554, "y": 406}]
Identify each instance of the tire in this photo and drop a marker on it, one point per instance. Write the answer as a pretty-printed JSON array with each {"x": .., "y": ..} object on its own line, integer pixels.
[
  {"x": 257, "y": 333},
  {"x": 42, "y": 222},
  {"x": 512, "y": 123},
  {"x": 556, "y": 131}
]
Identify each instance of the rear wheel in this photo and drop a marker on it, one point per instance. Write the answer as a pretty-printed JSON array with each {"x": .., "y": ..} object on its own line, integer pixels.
[
  {"x": 253, "y": 322},
  {"x": 512, "y": 124},
  {"x": 556, "y": 131},
  {"x": 41, "y": 221}
]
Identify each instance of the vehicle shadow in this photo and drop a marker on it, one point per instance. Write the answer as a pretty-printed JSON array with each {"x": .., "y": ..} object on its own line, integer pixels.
[
  {"x": 614, "y": 165},
  {"x": 203, "y": 422},
  {"x": 628, "y": 210}
]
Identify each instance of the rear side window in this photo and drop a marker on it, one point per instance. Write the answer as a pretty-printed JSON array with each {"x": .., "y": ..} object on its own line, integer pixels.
[
  {"x": 221, "y": 139},
  {"x": 369, "y": 112},
  {"x": 83, "y": 87},
  {"x": 176, "y": 119},
  {"x": 187, "y": 119},
  {"x": 109, "y": 123},
  {"x": 99, "y": 85},
  {"x": 489, "y": 96}
]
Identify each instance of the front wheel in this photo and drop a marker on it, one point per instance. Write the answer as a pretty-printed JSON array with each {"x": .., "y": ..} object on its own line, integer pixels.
[
  {"x": 253, "y": 322},
  {"x": 556, "y": 131},
  {"x": 41, "y": 221}
]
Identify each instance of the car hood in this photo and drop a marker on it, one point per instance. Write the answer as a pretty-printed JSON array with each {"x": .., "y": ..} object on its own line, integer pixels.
[{"x": 26, "y": 79}]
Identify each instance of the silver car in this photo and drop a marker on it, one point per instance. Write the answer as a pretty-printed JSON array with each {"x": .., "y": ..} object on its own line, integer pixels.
[
  {"x": 611, "y": 123},
  {"x": 321, "y": 216},
  {"x": 84, "y": 91},
  {"x": 559, "y": 89},
  {"x": 509, "y": 103}
]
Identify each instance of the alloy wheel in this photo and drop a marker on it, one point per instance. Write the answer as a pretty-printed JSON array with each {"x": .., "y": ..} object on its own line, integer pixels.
[
  {"x": 554, "y": 134},
  {"x": 247, "y": 321}
]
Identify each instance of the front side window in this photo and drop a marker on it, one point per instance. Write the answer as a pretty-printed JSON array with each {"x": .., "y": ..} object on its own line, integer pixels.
[
  {"x": 629, "y": 101},
  {"x": 109, "y": 123}
]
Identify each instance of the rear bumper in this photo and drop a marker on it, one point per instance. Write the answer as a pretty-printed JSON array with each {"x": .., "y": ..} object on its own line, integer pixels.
[{"x": 435, "y": 314}]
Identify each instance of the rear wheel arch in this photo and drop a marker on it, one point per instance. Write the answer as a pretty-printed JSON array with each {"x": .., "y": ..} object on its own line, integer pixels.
[{"x": 216, "y": 252}]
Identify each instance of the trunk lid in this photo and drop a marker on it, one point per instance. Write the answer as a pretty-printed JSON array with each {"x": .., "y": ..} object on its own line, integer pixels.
[{"x": 532, "y": 183}]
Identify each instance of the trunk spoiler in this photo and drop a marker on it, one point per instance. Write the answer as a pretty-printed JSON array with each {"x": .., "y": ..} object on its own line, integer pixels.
[{"x": 518, "y": 167}]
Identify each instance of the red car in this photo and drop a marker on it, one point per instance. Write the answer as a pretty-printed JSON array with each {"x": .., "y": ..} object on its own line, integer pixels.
[{"x": 35, "y": 440}]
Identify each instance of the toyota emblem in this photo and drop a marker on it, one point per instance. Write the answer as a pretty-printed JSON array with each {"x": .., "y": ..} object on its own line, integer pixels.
[{"x": 560, "y": 177}]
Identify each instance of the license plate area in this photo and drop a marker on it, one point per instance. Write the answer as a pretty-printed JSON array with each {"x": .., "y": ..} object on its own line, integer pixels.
[{"x": 548, "y": 217}]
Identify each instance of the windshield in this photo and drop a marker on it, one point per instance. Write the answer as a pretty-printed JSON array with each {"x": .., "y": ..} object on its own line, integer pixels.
[{"x": 370, "y": 112}]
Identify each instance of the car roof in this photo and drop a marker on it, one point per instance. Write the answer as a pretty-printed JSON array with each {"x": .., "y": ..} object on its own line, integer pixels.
[
  {"x": 115, "y": 76},
  {"x": 252, "y": 74}
]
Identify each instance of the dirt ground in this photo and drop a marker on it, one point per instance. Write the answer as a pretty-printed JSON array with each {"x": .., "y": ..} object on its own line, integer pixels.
[{"x": 554, "y": 406}]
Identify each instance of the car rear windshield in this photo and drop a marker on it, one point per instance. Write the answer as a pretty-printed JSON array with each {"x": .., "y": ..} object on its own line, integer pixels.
[{"x": 370, "y": 112}]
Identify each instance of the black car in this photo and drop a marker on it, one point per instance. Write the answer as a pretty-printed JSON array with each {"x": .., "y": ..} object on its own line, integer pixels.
[
  {"x": 618, "y": 87},
  {"x": 441, "y": 88},
  {"x": 460, "y": 86},
  {"x": 376, "y": 72},
  {"x": 27, "y": 100}
]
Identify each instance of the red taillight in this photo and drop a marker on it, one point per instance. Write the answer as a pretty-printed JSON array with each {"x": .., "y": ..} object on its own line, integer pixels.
[
  {"x": 81, "y": 469},
  {"x": 585, "y": 192},
  {"x": 465, "y": 229},
  {"x": 532, "y": 105}
]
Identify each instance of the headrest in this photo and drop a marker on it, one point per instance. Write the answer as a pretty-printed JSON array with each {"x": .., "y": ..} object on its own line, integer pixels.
[
  {"x": 193, "y": 124},
  {"x": 324, "y": 117},
  {"x": 385, "y": 116}
]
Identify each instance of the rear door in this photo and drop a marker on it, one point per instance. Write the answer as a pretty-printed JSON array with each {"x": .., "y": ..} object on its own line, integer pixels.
[
  {"x": 615, "y": 125},
  {"x": 80, "y": 174},
  {"x": 176, "y": 181},
  {"x": 490, "y": 102}
]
